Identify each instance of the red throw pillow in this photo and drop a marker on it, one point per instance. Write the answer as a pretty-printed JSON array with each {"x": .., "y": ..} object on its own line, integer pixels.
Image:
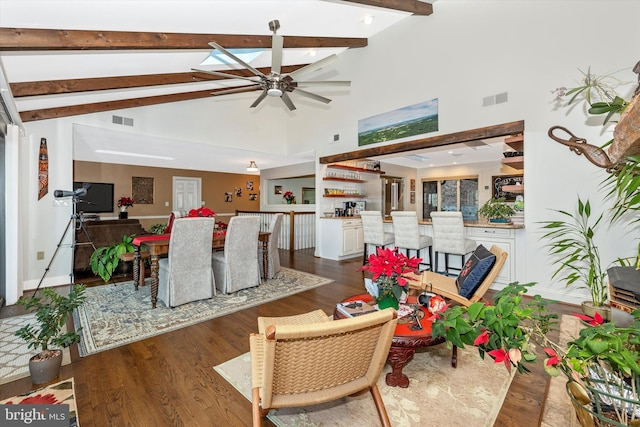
[{"x": 170, "y": 223}]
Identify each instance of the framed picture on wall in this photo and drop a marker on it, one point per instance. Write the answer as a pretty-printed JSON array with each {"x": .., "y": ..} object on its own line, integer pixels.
[
  {"x": 142, "y": 190},
  {"x": 412, "y": 197},
  {"x": 277, "y": 189},
  {"x": 497, "y": 182},
  {"x": 253, "y": 196},
  {"x": 412, "y": 184},
  {"x": 228, "y": 197}
]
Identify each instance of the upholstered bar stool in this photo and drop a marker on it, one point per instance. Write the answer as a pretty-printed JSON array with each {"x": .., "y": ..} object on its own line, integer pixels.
[
  {"x": 449, "y": 237},
  {"x": 373, "y": 232},
  {"x": 407, "y": 235}
]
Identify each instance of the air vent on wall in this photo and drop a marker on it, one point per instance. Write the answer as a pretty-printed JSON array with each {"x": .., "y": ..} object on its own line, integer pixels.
[
  {"x": 498, "y": 98},
  {"x": 119, "y": 120}
]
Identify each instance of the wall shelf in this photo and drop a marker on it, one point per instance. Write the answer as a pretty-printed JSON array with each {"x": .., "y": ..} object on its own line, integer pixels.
[
  {"x": 352, "y": 168},
  {"x": 518, "y": 188},
  {"x": 334, "y": 178},
  {"x": 514, "y": 162},
  {"x": 515, "y": 142},
  {"x": 348, "y": 196}
]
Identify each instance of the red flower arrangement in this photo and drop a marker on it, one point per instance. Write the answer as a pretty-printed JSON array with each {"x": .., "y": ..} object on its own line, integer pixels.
[
  {"x": 205, "y": 212},
  {"x": 288, "y": 196},
  {"x": 390, "y": 271},
  {"x": 125, "y": 201}
]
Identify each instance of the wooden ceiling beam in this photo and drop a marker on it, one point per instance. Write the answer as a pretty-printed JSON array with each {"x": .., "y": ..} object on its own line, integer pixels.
[
  {"x": 504, "y": 129},
  {"x": 56, "y": 87},
  {"x": 29, "y": 39},
  {"x": 98, "y": 107},
  {"x": 415, "y": 7}
]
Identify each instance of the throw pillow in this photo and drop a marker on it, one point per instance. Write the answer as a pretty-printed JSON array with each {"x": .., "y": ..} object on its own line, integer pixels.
[{"x": 475, "y": 271}]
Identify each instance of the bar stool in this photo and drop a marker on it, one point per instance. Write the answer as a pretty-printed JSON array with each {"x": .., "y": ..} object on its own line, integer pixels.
[
  {"x": 449, "y": 237},
  {"x": 373, "y": 232},
  {"x": 407, "y": 234}
]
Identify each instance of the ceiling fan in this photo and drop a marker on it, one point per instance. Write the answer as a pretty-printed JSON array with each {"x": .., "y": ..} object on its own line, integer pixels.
[{"x": 274, "y": 83}]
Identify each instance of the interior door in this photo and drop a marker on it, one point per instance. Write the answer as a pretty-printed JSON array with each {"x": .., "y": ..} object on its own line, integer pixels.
[{"x": 187, "y": 193}]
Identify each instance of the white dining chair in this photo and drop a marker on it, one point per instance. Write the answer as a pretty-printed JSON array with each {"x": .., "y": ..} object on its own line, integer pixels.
[
  {"x": 272, "y": 255},
  {"x": 449, "y": 238},
  {"x": 237, "y": 267},
  {"x": 407, "y": 235},
  {"x": 373, "y": 232},
  {"x": 186, "y": 275}
]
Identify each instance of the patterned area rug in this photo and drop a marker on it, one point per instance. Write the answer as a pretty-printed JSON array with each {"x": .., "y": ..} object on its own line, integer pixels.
[
  {"x": 438, "y": 394},
  {"x": 54, "y": 394},
  {"x": 14, "y": 353},
  {"x": 115, "y": 315}
]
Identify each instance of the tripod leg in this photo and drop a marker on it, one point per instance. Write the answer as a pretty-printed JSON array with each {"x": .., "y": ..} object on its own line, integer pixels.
[{"x": 46, "y": 270}]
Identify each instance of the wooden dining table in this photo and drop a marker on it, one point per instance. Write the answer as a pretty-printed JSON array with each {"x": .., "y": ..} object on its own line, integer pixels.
[{"x": 159, "y": 245}]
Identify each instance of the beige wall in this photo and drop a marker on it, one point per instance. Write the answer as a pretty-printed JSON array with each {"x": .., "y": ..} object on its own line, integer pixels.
[{"x": 214, "y": 186}]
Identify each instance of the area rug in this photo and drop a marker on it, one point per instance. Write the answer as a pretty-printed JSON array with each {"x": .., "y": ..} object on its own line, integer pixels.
[
  {"x": 61, "y": 393},
  {"x": 558, "y": 410},
  {"x": 438, "y": 394},
  {"x": 14, "y": 353},
  {"x": 115, "y": 315}
]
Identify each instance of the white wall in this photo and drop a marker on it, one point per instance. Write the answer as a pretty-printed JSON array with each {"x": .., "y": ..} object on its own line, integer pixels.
[
  {"x": 468, "y": 50},
  {"x": 463, "y": 52}
]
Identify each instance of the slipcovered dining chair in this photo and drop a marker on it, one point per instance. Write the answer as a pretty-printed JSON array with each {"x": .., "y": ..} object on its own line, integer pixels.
[
  {"x": 186, "y": 275},
  {"x": 373, "y": 232},
  {"x": 449, "y": 238},
  {"x": 273, "y": 256},
  {"x": 407, "y": 234},
  {"x": 237, "y": 267},
  {"x": 295, "y": 363}
]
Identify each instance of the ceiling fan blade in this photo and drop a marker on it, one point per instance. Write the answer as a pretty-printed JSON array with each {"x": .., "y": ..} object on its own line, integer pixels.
[
  {"x": 262, "y": 96},
  {"x": 227, "y": 75},
  {"x": 287, "y": 101},
  {"x": 314, "y": 66},
  {"x": 235, "y": 58},
  {"x": 248, "y": 88},
  {"x": 312, "y": 95},
  {"x": 276, "y": 53},
  {"x": 343, "y": 83}
]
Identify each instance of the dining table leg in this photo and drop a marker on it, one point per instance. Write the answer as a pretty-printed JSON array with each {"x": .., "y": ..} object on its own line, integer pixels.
[
  {"x": 136, "y": 267},
  {"x": 154, "y": 280}
]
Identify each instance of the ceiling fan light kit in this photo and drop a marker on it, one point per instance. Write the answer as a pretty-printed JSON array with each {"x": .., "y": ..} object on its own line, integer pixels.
[{"x": 275, "y": 84}]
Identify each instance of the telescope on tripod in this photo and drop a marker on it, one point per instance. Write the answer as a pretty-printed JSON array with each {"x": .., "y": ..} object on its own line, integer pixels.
[{"x": 77, "y": 221}]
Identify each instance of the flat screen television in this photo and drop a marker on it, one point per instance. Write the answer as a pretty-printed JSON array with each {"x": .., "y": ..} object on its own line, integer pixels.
[{"x": 99, "y": 197}]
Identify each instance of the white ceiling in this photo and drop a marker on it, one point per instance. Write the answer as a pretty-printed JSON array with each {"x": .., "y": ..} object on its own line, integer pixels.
[{"x": 297, "y": 18}]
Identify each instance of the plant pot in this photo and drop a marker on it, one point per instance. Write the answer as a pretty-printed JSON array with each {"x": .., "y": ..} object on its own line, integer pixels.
[
  {"x": 499, "y": 220},
  {"x": 590, "y": 310},
  {"x": 386, "y": 301},
  {"x": 124, "y": 267},
  {"x": 43, "y": 371},
  {"x": 123, "y": 215}
]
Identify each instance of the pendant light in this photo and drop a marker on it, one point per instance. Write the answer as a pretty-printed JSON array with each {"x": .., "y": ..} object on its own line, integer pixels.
[{"x": 252, "y": 167}]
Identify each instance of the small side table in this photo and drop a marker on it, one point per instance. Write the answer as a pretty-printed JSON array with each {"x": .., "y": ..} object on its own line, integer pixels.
[{"x": 406, "y": 340}]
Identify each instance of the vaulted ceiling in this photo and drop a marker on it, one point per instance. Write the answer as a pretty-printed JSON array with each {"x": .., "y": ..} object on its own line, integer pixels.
[{"x": 67, "y": 58}]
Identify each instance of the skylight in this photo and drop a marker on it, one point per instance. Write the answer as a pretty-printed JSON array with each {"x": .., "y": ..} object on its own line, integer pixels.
[{"x": 218, "y": 58}]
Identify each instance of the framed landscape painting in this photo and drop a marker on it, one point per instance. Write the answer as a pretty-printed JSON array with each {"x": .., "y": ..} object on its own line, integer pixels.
[{"x": 404, "y": 122}]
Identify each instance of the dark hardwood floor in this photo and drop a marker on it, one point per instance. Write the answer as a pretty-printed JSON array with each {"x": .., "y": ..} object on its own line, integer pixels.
[{"x": 168, "y": 380}]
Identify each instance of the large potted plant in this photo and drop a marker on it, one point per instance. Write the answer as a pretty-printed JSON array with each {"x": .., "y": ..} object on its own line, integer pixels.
[
  {"x": 576, "y": 255},
  {"x": 604, "y": 358},
  {"x": 46, "y": 336},
  {"x": 497, "y": 210},
  {"x": 105, "y": 260}
]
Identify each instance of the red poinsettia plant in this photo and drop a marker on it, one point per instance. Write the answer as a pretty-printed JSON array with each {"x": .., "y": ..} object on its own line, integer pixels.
[
  {"x": 390, "y": 271},
  {"x": 201, "y": 212},
  {"x": 125, "y": 201}
]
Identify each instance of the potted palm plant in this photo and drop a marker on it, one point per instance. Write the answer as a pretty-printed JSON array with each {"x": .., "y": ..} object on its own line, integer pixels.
[
  {"x": 105, "y": 260},
  {"x": 47, "y": 336},
  {"x": 572, "y": 243},
  {"x": 497, "y": 210}
]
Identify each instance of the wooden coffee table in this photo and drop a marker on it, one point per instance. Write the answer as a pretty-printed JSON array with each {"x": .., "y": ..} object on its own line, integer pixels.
[{"x": 407, "y": 338}]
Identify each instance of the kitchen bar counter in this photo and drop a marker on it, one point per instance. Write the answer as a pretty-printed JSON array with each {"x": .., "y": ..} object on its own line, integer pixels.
[{"x": 483, "y": 224}]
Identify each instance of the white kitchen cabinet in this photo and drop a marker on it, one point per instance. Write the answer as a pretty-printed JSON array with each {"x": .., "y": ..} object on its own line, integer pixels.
[
  {"x": 341, "y": 238},
  {"x": 505, "y": 239}
]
